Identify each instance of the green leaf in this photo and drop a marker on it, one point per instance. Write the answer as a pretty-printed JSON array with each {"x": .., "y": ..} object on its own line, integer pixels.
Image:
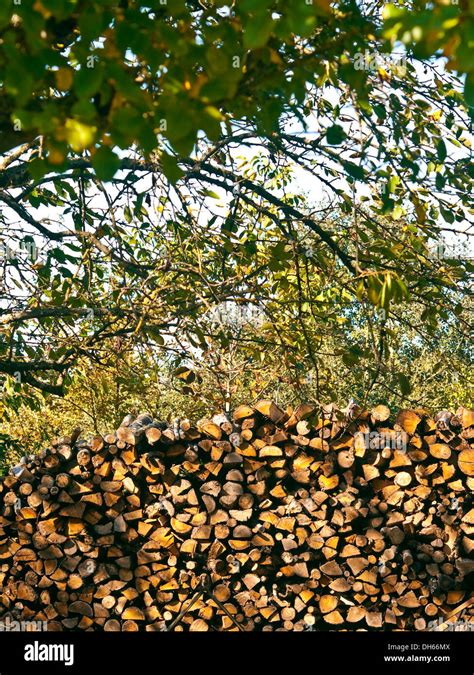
[
  {"x": 352, "y": 356},
  {"x": 397, "y": 212},
  {"x": 170, "y": 168},
  {"x": 393, "y": 183},
  {"x": 469, "y": 89},
  {"x": 441, "y": 150},
  {"x": 257, "y": 31},
  {"x": 447, "y": 214},
  {"x": 354, "y": 170},
  {"x": 211, "y": 194},
  {"x": 440, "y": 181},
  {"x": 105, "y": 163},
  {"x": 87, "y": 81},
  {"x": 404, "y": 384},
  {"x": 335, "y": 135}
]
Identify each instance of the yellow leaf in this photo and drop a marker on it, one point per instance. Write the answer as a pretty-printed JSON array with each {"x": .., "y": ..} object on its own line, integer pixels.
[
  {"x": 79, "y": 135},
  {"x": 213, "y": 112},
  {"x": 39, "y": 7},
  {"x": 196, "y": 86},
  {"x": 451, "y": 45},
  {"x": 64, "y": 78},
  {"x": 325, "y": 5},
  {"x": 275, "y": 57},
  {"x": 55, "y": 156}
]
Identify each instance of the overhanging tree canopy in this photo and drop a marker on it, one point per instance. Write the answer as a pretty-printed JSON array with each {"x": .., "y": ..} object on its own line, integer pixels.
[
  {"x": 165, "y": 98},
  {"x": 82, "y": 72}
]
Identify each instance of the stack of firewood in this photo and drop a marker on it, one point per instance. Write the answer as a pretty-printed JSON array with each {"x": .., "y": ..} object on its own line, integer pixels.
[{"x": 297, "y": 519}]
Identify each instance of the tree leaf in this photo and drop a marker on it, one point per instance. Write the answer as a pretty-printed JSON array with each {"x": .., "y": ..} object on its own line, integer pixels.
[
  {"x": 170, "y": 168},
  {"x": 335, "y": 135},
  {"x": 404, "y": 384},
  {"x": 105, "y": 163}
]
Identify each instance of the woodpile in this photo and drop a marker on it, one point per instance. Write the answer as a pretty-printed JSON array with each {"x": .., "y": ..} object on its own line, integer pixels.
[{"x": 269, "y": 519}]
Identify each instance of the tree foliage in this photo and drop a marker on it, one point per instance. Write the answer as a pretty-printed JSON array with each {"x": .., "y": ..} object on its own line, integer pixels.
[
  {"x": 84, "y": 72},
  {"x": 162, "y": 160}
]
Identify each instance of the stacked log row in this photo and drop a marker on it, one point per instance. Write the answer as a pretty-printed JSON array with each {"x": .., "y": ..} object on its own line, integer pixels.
[{"x": 293, "y": 520}]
